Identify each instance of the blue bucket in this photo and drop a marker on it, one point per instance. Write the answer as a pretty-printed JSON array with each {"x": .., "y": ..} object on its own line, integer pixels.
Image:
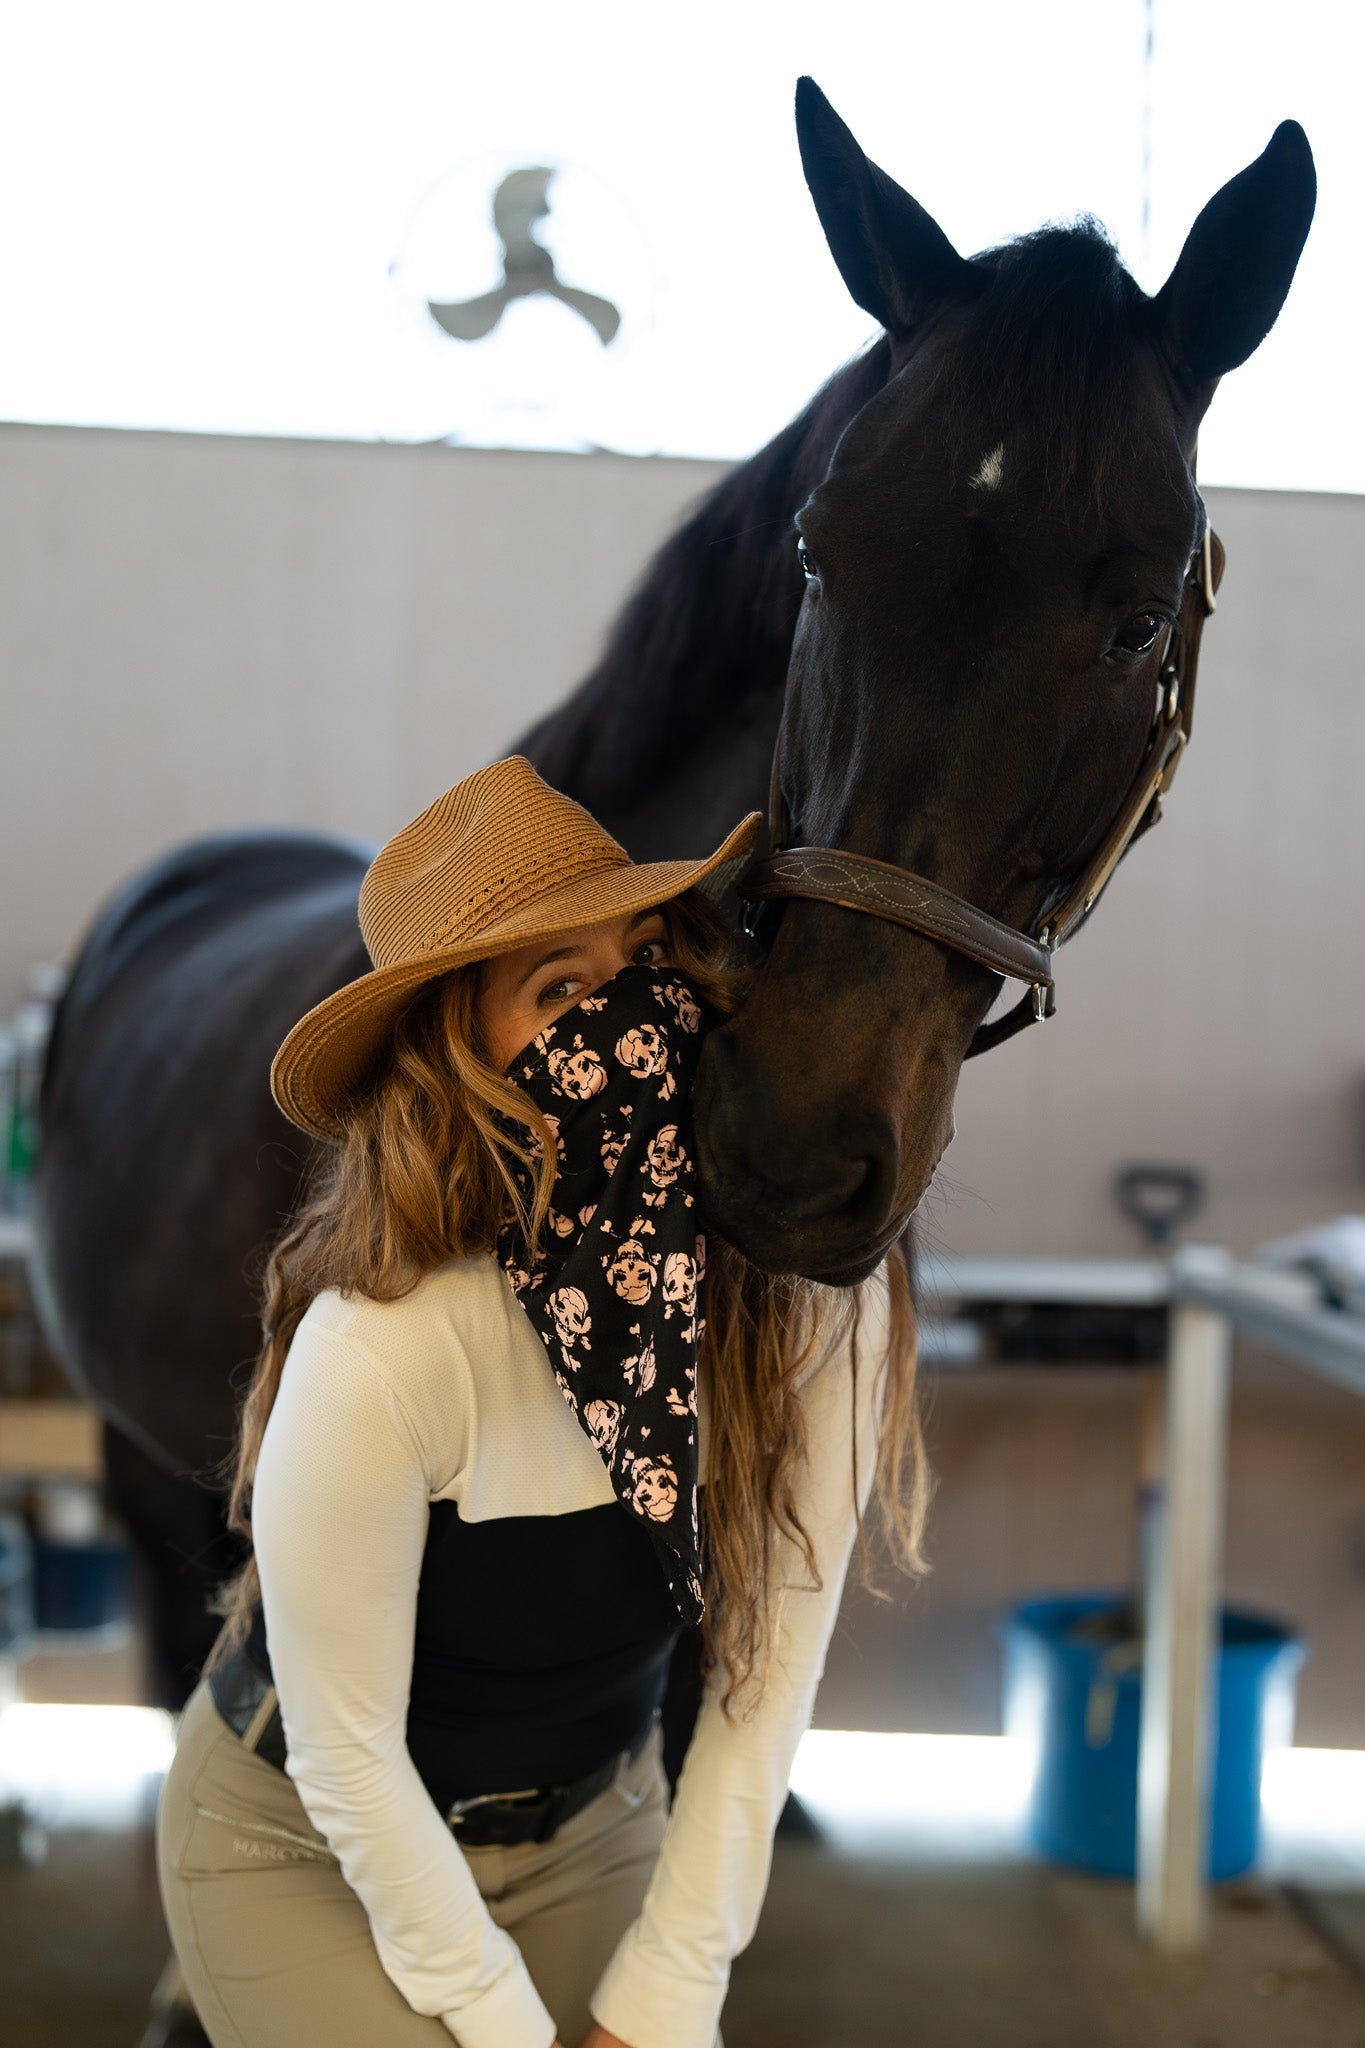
[
  {"x": 16, "y": 1585},
  {"x": 80, "y": 1586},
  {"x": 1075, "y": 1698}
]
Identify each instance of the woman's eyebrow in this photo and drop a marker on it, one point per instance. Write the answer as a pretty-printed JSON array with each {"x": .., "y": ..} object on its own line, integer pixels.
[
  {"x": 568, "y": 952},
  {"x": 560, "y": 953}
]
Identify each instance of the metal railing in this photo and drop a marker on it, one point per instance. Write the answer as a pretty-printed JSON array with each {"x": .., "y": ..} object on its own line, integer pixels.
[{"x": 1210, "y": 1298}]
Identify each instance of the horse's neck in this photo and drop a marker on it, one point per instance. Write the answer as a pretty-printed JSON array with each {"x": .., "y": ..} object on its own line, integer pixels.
[{"x": 669, "y": 737}]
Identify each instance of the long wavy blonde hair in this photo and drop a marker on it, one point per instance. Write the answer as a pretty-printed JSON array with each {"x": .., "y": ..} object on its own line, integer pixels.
[{"x": 426, "y": 1171}]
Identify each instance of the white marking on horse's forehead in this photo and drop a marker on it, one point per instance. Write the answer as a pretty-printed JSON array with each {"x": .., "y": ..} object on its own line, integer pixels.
[{"x": 987, "y": 477}]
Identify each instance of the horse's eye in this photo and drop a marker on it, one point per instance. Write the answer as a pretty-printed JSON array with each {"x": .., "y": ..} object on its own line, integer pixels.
[
  {"x": 808, "y": 568},
  {"x": 1140, "y": 633}
]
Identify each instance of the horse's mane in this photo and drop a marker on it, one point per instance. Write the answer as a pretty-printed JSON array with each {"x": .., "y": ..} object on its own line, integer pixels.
[
  {"x": 710, "y": 622},
  {"x": 1053, "y": 345}
]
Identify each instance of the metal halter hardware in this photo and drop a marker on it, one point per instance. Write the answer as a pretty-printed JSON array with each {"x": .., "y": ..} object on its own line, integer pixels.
[{"x": 829, "y": 874}]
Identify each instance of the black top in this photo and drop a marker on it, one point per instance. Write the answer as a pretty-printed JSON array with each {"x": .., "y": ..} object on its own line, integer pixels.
[{"x": 542, "y": 1648}]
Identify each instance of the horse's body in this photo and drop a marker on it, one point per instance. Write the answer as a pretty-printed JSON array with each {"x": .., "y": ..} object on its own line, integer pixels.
[
  {"x": 166, "y": 1167},
  {"x": 997, "y": 497},
  {"x": 191, "y": 975}
]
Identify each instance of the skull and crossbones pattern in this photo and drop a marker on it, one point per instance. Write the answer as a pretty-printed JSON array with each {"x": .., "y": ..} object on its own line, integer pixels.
[
  {"x": 535, "y": 1144},
  {"x": 632, "y": 1271},
  {"x": 665, "y": 1159},
  {"x": 684, "y": 1005},
  {"x": 578, "y": 1074},
  {"x": 639, "y": 1372},
  {"x": 683, "y": 1272},
  {"x": 604, "y": 1420},
  {"x": 683, "y": 1401},
  {"x": 652, "y": 1486},
  {"x": 573, "y": 1321},
  {"x": 643, "y": 1050},
  {"x": 613, "y": 1145},
  {"x": 614, "y": 1286}
]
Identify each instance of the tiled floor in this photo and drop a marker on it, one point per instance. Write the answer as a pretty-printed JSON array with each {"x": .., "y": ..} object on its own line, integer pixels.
[
  {"x": 853, "y": 1952},
  {"x": 931, "y": 1933},
  {"x": 999, "y": 1955},
  {"x": 83, "y": 1942}
]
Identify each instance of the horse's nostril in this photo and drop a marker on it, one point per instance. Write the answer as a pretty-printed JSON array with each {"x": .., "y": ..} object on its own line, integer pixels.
[{"x": 831, "y": 1185}]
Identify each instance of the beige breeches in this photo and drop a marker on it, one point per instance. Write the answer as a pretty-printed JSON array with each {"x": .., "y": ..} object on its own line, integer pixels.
[{"x": 276, "y": 1948}]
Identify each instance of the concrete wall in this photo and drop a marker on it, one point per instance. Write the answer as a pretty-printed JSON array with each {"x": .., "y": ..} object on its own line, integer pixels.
[{"x": 200, "y": 632}]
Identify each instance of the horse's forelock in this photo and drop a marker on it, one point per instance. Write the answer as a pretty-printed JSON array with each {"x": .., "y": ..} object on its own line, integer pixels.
[{"x": 1052, "y": 343}]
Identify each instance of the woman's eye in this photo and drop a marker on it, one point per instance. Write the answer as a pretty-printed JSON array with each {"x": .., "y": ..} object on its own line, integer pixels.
[
  {"x": 653, "y": 953},
  {"x": 1140, "y": 633},
  {"x": 559, "y": 991},
  {"x": 808, "y": 568}
]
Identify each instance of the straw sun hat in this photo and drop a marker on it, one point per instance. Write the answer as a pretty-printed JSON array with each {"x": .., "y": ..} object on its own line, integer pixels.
[{"x": 498, "y": 861}]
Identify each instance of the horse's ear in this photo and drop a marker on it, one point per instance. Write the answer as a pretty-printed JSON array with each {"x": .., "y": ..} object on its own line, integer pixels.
[
  {"x": 1234, "y": 272},
  {"x": 892, "y": 255}
]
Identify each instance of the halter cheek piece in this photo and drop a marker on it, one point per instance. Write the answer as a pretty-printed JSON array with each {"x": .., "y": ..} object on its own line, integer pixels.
[{"x": 828, "y": 874}]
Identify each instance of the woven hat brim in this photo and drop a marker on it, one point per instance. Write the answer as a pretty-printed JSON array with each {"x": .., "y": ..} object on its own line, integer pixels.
[{"x": 330, "y": 1051}]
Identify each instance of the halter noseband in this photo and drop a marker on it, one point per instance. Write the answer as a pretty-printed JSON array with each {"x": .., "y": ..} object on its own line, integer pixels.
[{"x": 828, "y": 874}]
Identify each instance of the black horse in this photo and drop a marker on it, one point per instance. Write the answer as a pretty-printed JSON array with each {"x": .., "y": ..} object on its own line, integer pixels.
[{"x": 996, "y": 509}]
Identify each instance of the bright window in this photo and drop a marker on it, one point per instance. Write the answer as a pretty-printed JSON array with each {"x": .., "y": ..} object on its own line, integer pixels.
[{"x": 229, "y": 219}]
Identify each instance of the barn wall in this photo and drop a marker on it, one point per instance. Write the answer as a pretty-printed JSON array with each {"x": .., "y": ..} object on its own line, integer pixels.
[{"x": 201, "y": 632}]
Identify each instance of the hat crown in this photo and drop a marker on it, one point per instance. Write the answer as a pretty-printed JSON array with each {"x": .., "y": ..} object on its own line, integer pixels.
[{"x": 489, "y": 846}]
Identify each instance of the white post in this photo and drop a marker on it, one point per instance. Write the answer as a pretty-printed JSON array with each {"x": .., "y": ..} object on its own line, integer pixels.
[{"x": 1183, "y": 1602}]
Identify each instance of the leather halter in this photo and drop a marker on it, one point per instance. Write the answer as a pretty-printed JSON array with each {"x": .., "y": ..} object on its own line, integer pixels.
[{"x": 829, "y": 874}]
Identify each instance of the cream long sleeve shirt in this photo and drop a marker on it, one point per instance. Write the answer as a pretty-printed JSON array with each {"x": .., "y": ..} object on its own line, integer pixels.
[{"x": 448, "y": 1394}]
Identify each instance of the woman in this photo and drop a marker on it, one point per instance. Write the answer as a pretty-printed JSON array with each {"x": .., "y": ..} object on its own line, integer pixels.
[{"x": 419, "y": 1792}]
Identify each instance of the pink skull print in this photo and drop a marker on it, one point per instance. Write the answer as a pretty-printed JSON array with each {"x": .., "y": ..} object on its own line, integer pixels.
[{"x": 614, "y": 1285}]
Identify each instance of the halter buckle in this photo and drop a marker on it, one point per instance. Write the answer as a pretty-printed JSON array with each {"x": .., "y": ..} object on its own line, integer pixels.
[{"x": 1206, "y": 569}]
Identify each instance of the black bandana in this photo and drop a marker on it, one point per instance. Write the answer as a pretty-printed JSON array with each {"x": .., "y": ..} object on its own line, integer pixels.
[{"x": 616, "y": 1289}]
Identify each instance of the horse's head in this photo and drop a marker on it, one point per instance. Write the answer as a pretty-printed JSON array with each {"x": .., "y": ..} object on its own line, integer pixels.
[{"x": 992, "y": 562}]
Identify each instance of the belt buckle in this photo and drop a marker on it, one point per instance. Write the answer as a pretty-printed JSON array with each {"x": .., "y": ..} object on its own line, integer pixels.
[{"x": 460, "y": 1807}]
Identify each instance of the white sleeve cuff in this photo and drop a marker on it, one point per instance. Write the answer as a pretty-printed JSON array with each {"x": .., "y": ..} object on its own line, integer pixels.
[
  {"x": 510, "y": 2015},
  {"x": 641, "y": 2006}
]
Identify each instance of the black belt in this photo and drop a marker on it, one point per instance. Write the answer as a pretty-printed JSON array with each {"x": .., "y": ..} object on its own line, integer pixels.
[
  {"x": 245, "y": 1698},
  {"x": 511, "y": 1817}
]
